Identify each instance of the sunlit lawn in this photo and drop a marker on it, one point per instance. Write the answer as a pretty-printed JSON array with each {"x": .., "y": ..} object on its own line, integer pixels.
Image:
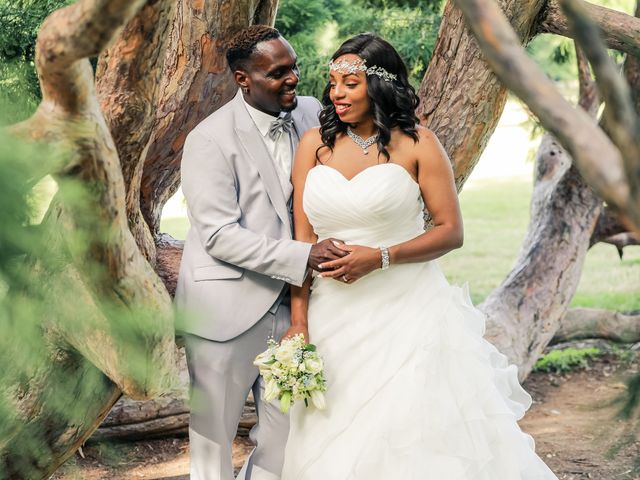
[
  {"x": 177, "y": 227},
  {"x": 496, "y": 213}
]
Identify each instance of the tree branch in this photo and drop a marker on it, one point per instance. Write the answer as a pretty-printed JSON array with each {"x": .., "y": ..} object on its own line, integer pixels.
[
  {"x": 67, "y": 38},
  {"x": 597, "y": 158},
  {"x": 632, "y": 72},
  {"x": 621, "y": 31},
  {"x": 597, "y": 323},
  {"x": 588, "y": 96},
  {"x": 608, "y": 225},
  {"x": 619, "y": 116}
]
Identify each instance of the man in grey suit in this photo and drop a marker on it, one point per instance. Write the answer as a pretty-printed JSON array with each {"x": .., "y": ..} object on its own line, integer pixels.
[{"x": 239, "y": 256}]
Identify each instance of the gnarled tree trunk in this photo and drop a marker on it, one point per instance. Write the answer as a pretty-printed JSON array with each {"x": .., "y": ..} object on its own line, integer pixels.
[
  {"x": 164, "y": 73},
  {"x": 532, "y": 300},
  {"x": 525, "y": 311}
]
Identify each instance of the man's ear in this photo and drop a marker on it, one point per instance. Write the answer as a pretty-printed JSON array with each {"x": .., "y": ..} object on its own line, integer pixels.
[{"x": 242, "y": 79}]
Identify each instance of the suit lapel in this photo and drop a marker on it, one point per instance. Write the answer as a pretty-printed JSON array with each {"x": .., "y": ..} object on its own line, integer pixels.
[
  {"x": 251, "y": 141},
  {"x": 298, "y": 118},
  {"x": 298, "y": 129}
]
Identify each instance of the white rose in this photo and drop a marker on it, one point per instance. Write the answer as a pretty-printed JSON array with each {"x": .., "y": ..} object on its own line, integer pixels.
[
  {"x": 313, "y": 365},
  {"x": 285, "y": 353}
]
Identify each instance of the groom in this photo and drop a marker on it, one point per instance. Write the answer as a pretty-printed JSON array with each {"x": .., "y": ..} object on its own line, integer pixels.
[{"x": 239, "y": 256}]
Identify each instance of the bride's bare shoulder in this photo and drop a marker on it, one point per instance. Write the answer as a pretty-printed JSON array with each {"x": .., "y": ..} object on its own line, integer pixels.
[
  {"x": 311, "y": 137},
  {"x": 307, "y": 148},
  {"x": 426, "y": 136},
  {"x": 428, "y": 145}
]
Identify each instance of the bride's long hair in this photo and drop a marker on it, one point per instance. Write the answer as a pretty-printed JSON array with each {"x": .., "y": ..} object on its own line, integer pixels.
[{"x": 393, "y": 103}]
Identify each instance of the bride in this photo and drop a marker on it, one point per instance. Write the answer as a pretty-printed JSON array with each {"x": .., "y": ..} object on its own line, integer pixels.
[{"x": 414, "y": 391}]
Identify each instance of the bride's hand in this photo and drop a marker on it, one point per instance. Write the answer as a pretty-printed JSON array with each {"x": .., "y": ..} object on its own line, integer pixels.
[
  {"x": 359, "y": 262},
  {"x": 295, "y": 330}
]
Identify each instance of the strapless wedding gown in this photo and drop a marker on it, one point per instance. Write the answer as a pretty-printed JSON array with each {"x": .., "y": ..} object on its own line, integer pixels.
[{"x": 414, "y": 391}]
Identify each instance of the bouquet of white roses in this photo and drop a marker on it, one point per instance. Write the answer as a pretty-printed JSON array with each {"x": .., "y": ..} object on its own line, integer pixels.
[{"x": 292, "y": 370}]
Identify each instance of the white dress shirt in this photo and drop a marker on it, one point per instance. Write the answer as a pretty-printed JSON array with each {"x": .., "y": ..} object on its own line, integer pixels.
[{"x": 280, "y": 149}]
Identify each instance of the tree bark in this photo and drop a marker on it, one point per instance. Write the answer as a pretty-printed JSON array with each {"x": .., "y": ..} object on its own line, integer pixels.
[
  {"x": 530, "y": 302},
  {"x": 619, "y": 117},
  {"x": 609, "y": 229},
  {"x": 151, "y": 115},
  {"x": 632, "y": 71},
  {"x": 128, "y": 79},
  {"x": 162, "y": 417}
]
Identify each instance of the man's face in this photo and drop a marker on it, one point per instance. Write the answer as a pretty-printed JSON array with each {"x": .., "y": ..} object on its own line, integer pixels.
[{"x": 271, "y": 77}]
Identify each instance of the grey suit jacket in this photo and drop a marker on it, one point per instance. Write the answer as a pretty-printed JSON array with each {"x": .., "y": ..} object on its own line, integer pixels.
[{"x": 239, "y": 251}]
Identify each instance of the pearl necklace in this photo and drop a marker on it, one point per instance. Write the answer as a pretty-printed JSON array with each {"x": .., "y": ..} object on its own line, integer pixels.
[{"x": 362, "y": 143}]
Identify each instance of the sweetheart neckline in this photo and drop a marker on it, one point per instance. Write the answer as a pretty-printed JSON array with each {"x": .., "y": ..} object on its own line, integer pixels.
[{"x": 349, "y": 180}]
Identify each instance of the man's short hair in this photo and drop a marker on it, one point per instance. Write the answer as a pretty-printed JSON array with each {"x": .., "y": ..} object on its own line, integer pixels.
[{"x": 243, "y": 44}]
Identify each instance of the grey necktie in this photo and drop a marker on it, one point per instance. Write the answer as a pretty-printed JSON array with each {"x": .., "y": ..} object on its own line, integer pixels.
[{"x": 279, "y": 125}]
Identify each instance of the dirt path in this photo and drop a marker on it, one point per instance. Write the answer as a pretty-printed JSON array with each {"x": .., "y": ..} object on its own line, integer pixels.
[
  {"x": 575, "y": 423},
  {"x": 573, "y": 420}
]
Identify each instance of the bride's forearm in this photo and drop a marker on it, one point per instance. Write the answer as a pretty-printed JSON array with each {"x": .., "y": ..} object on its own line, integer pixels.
[
  {"x": 433, "y": 244},
  {"x": 300, "y": 302},
  {"x": 300, "y": 295}
]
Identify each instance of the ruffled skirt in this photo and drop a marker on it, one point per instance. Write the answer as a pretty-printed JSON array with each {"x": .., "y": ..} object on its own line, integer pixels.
[{"x": 414, "y": 391}]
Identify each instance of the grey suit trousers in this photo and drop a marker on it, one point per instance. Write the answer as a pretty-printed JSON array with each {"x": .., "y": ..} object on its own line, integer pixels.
[{"x": 222, "y": 374}]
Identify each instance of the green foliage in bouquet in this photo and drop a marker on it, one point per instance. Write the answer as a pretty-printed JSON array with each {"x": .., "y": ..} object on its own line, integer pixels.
[{"x": 292, "y": 371}]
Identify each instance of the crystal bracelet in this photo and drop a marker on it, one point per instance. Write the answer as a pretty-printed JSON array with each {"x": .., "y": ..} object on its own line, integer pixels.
[{"x": 385, "y": 257}]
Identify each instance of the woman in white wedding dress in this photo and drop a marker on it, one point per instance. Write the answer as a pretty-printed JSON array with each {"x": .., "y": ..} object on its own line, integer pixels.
[{"x": 414, "y": 391}]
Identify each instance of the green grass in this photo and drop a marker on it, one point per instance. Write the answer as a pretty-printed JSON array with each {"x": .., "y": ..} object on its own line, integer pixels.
[
  {"x": 496, "y": 215},
  {"x": 177, "y": 227},
  {"x": 608, "y": 282},
  {"x": 566, "y": 359}
]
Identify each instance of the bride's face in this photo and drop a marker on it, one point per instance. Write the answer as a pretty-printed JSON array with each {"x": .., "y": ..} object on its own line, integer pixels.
[{"x": 348, "y": 89}]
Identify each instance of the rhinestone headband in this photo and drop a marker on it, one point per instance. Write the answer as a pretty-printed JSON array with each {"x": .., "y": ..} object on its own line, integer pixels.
[{"x": 355, "y": 66}]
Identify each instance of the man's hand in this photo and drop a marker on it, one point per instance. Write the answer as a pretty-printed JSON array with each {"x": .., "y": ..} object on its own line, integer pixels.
[
  {"x": 296, "y": 330},
  {"x": 325, "y": 251}
]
